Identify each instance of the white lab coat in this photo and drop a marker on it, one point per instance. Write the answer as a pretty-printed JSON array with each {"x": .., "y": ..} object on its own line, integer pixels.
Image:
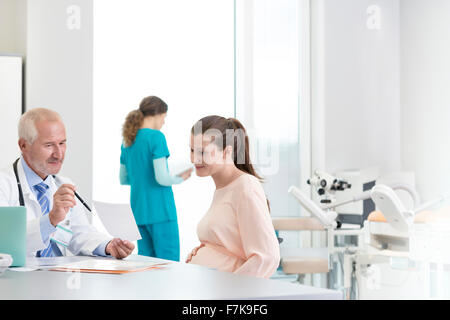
[{"x": 85, "y": 237}]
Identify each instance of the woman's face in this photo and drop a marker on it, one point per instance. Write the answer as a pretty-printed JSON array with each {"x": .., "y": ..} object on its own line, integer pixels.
[{"x": 206, "y": 156}]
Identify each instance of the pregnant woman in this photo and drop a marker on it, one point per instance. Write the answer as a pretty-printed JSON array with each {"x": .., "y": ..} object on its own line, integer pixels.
[{"x": 236, "y": 233}]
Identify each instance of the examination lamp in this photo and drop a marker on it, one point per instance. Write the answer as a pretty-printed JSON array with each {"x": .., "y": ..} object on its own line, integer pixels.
[
  {"x": 383, "y": 196},
  {"x": 393, "y": 209}
]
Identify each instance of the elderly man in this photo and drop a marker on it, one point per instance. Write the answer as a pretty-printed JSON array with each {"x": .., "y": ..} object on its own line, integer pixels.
[{"x": 57, "y": 223}]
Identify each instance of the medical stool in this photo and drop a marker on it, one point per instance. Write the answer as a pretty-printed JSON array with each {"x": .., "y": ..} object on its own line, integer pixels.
[{"x": 302, "y": 261}]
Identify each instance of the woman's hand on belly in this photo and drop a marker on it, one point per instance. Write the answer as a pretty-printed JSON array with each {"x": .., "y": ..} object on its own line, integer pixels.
[{"x": 194, "y": 252}]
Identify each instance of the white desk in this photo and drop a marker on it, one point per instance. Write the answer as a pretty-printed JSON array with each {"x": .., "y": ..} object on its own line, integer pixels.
[{"x": 179, "y": 281}]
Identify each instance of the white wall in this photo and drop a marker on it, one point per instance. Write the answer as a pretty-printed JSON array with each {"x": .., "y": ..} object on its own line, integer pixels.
[
  {"x": 10, "y": 107},
  {"x": 58, "y": 70},
  {"x": 59, "y": 77},
  {"x": 425, "y": 79},
  {"x": 13, "y": 22},
  {"x": 356, "y": 116},
  {"x": 380, "y": 97},
  {"x": 12, "y": 43}
]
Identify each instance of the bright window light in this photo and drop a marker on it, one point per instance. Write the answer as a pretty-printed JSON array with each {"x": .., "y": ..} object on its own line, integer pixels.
[{"x": 181, "y": 51}]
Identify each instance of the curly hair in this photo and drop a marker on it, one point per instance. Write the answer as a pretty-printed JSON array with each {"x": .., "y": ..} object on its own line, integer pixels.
[{"x": 131, "y": 126}]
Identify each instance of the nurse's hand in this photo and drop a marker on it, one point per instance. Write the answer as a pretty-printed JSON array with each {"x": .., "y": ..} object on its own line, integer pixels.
[
  {"x": 186, "y": 174},
  {"x": 119, "y": 249}
]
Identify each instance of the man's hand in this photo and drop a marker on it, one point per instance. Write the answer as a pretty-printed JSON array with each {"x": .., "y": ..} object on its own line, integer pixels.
[
  {"x": 119, "y": 249},
  {"x": 63, "y": 200}
]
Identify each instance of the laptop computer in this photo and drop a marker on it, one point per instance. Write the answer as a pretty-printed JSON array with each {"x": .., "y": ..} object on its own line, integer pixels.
[{"x": 13, "y": 233}]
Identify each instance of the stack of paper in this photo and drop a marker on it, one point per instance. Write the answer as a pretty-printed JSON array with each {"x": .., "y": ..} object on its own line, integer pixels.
[{"x": 110, "y": 266}]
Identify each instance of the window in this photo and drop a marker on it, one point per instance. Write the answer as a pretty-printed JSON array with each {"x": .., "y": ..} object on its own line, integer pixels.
[
  {"x": 181, "y": 51},
  {"x": 232, "y": 58},
  {"x": 267, "y": 82}
]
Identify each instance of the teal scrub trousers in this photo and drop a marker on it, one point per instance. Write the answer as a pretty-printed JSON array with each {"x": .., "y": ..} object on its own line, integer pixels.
[{"x": 160, "y": 240}]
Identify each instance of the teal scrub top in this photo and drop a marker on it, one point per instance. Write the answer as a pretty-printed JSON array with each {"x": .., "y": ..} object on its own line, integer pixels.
[{"x": 150, "y": 202}]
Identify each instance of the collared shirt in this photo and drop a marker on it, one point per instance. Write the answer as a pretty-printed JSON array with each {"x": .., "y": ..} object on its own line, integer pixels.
[{"x": 46, "y": 227}]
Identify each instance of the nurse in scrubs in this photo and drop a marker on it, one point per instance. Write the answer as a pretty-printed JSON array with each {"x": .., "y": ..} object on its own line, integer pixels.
[
  {"x": 144, "y": 167},
  {"x": 236, "y": 233}
]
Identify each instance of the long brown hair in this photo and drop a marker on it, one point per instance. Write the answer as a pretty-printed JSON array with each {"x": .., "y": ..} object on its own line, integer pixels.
[
  {"x": 240, "y": 143},
  {"x": 149, "y": 106}
]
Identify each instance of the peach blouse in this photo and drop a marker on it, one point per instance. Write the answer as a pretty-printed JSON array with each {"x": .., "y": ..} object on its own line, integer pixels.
[{"x": 236, "y": 233}]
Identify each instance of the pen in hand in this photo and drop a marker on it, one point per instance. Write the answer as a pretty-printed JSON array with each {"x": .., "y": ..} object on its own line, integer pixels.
[
  {"x": 76, "y": 195},
  {"x": 82, "y": 201}
]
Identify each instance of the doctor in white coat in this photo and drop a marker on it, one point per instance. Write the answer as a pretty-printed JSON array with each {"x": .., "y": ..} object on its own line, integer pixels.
[{"x": 56, "y": 221}]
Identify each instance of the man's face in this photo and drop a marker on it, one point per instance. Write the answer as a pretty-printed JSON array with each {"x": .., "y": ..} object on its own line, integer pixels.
[{"x": 46, "y": 154}]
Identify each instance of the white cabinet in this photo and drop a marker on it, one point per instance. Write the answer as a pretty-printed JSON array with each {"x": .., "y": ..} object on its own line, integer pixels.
[{"x": 10, "y": 107}]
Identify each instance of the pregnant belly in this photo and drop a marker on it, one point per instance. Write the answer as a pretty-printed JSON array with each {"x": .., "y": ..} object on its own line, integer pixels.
[{"x": 211, "y": 257}]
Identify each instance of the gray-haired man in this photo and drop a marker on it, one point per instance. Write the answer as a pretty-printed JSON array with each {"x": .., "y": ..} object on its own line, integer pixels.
[{"x": 57, "y": 223}]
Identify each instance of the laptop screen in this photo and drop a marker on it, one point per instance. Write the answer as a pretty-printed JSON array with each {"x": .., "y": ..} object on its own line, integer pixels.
[{"x": 13, "y": 233}]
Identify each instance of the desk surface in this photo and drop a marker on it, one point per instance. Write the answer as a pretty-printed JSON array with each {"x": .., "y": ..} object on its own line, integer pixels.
[{"x": 178, "y": 281}]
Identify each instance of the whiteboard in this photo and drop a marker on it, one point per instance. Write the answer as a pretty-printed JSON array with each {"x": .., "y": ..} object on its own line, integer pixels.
[{"x": 10, "y": 107}]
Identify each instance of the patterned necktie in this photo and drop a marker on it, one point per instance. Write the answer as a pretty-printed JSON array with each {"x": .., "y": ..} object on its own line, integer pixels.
[{"x": 52, "y": 249}]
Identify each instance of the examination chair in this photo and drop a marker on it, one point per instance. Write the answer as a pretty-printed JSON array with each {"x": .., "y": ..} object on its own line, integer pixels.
[{"x": 302, "y": 261}]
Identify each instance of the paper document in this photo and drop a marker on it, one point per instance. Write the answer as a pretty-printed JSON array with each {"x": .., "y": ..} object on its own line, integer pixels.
[
  {"x": 118, "y": 220},
  {"x": 35, "y": 263},
  {"x": 110, "y": 266},
  {"x": 182, "y": 168},
  {"x": 177, "y": 167}
]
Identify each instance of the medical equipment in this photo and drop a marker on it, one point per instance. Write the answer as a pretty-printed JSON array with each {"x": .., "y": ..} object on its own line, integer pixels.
[
  {"x": 392, "y": 249},
  {"x": 402, "y": 244},
  {"x": 325, "y": 182},
  {"x": 333, "y": 232},
  {"x": 344, "y": 187},
  {"x": 390, "y": 226},
  {"x": 346, "y": 244},
  {"x": 328, "y": 219},
  {"x": 5, "y": 262},
  {"x": 326, "y": 185},
  {"x": 356, "y": 211},
  {"x": 393, "y": 209}
]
